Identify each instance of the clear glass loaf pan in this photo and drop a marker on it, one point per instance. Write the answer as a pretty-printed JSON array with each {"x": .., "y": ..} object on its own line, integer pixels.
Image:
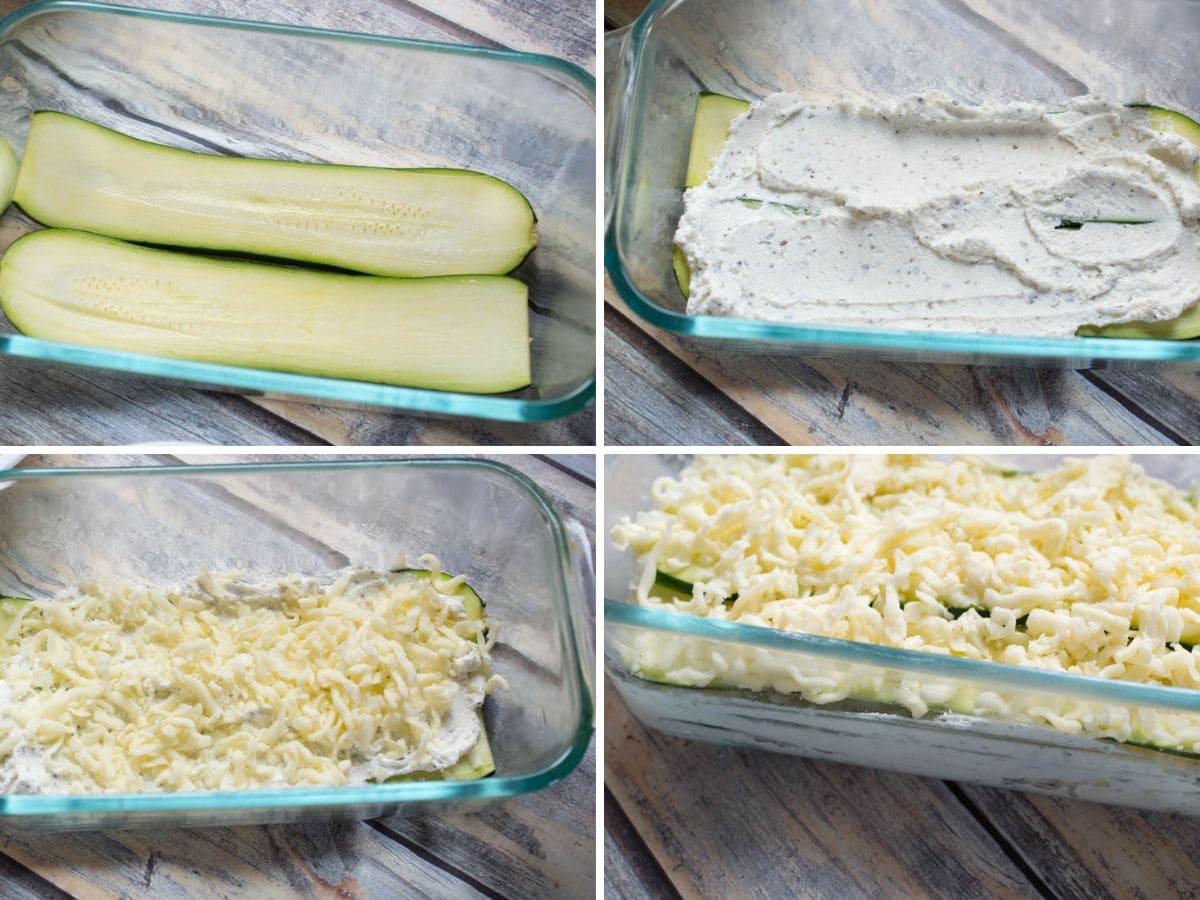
[
  {"x": 1001, "y": 50},
  {"x": 275, "y": 91},
  {"x": 163, "y": 525},
  {"x": 951, "y": 741}
]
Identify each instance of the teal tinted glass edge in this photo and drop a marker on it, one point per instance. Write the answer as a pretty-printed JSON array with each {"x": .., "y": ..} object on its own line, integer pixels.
[
  {"x": 914, "y": 661},
  {"x": 14, "y": 806},
  {"x": 501, "y": 408},
  {"x": 774, "y": 334}
]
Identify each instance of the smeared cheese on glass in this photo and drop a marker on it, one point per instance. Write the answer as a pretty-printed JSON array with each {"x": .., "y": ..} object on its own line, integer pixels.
[
  {"x": 222, "y": 684},
  {"x": 1091, "y": 568}
]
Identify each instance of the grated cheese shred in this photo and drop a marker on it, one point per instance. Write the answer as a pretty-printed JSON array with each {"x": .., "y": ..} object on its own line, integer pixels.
[
  {"x": 1091, "y": 568},
  {"x": 224, "y": 684}
]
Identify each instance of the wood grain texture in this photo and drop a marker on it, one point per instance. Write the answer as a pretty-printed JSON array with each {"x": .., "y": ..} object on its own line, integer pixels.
[
  {"x": 813, "y": 401},
  {"x": 630, "y": 871},
  {"x": 652, "y": 398},
  {"x": 540, "y": 844},
  {"x": 86, "y": 407},
  {"x": 1088, "y": 850},
  {"x": 835, "y": 402},
  {"x": 725, "y": 822}
]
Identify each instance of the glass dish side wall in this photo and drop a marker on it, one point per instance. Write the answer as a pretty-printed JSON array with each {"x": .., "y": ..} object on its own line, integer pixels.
[
  {"x": 277, "y": 92},
  {"x": 166, "y": 525},
  {"x": 999, "y": 51},
  {"x": 867, "y": 693}
]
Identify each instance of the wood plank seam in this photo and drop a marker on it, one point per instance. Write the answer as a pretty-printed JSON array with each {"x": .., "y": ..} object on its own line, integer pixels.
[
  {"x": 1135, "y": 408},
  {"x": 616, "y": 818},
  {"x": 566, "y": 470},
  {"x": 1008, "y": 847},
  {"x": 643, "y": 328},
  {"x": 432, "y": 858},
  {"x": 427, "y": 15},
  {"x": 31, "y": 879}
]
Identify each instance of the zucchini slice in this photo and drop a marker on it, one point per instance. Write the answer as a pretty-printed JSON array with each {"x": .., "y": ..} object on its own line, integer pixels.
[
  {"x": 714, "y": 115},
  {"x": 1187, "y": 324},
  {"x": 455, "y": 333},
  {"x": 478, "y": 761},
  {"x": 473, "y": 605},
  {"x": 10, "y": 608},
  {"x": 407, "y": 222},
  {"x": 681, "y": 581},
  {"x": 8, "y": 183}
]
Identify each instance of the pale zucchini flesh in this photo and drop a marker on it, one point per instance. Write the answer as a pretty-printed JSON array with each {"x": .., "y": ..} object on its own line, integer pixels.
[
  {"x": 460, "y": 333},
  {"x": 478, "y": 761},
  {"x": 8, "y": 174},
  {"x": 400, "y": 222},
  {"x": 710, "y": 130}
]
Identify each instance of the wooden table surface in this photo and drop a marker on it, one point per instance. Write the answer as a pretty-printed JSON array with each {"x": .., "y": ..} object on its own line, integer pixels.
[
  {"x": 660, "y": 390},
  {"x": 686, "y": 819},
  {"x": 75, "y": 406},
  {"x": 539, "y": 845}
]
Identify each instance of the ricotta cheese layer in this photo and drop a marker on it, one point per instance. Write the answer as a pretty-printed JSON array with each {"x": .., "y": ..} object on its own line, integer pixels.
[
  {"x": 925, "y": 213},
  {"x": 225, "y": 684}
]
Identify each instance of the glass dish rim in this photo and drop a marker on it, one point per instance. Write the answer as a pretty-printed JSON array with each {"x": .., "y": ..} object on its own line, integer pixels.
[
  {"x": 782, "y": 335},
  {"x": 907, "y": 661},
  {"x": 310, "y": 387},
  {"x": 16, "y": 805}
]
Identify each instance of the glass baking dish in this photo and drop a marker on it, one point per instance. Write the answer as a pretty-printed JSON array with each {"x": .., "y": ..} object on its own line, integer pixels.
[
  {"x": 1000, "y": 51},
  {"x": 163, "y": 525},
  {"x": 276, "y": 91},
  {"x": 978, "y": 726}
]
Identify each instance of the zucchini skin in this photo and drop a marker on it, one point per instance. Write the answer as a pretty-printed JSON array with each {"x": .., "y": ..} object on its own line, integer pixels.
[
  {"x": 398, "y": 222},
  {"x": 478, "y": 762},
  {"x": 462, "y": 333}
]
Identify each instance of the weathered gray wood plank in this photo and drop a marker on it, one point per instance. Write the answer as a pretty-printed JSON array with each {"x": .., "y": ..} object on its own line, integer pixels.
[
  {"x": 653, "y": 398},
  {"x": 105, "y": 410},
  {"x": 630, "y": 872},
  {"x": 347, "y": 859},
  {"x": 1088, "y": 850},
  {"x": 815, "y": 401},
  {"x": 345, "y": 427},
  {"x": 724, "y": 822},
  {"x": 539, "y": 845}
]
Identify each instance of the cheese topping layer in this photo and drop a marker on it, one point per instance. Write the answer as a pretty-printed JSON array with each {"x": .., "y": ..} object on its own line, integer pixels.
[
  {"x": 227, "y": 685},
  {"x": 1092, "y": 568},
  {"x": 924, "y": 213}
]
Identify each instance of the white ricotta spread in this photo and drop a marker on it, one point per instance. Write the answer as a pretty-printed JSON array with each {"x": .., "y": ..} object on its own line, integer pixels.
[
  {"x": 224, "y": 684},
  {"x": 1092, "y": 568},
  {"x": 925, "y": 213}
]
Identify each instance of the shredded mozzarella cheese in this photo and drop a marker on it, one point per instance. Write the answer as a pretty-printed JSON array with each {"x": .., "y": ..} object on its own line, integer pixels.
[
  {"x": 1092, "y": 568},
  {"x": 226, "y": 685}
]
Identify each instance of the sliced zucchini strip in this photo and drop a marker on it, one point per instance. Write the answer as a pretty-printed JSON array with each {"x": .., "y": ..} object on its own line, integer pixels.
[
  {"x": 477, "y": 762},
  {"x": 10, "y": 608},
  {"x": 473, "y": 605},
  {"x": 404, "y": 222},
  {"x": 460, "y": 333},
  {"x": 714, "y": 114},
  {"x": 1187, "y": 324}
]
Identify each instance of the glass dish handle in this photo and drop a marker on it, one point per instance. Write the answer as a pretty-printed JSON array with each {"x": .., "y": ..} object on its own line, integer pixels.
[
  {"x": 617, "y": 67},
  {"x": 582, "y": 588}
]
